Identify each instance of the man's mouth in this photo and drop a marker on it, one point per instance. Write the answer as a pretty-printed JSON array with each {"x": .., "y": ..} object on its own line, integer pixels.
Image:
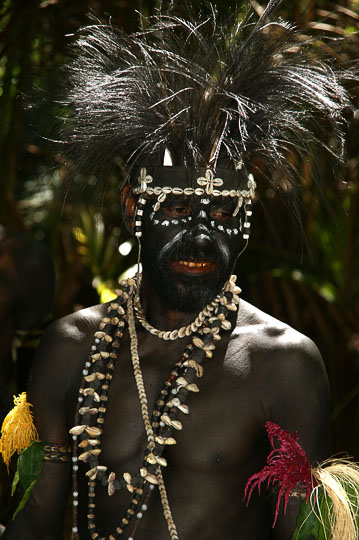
[{"x": 193, "y": 267}]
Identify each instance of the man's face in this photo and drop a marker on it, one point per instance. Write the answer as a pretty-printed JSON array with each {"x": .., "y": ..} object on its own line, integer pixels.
[{"x": 189, "y": 248}]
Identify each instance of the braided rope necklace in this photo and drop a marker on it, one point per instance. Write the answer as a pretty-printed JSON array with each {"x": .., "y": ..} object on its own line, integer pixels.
[{"x": 92, "y": 404}]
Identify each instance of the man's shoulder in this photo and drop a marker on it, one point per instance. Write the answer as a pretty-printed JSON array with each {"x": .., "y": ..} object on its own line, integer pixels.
[
  {"x": 63, "y": 350},
  {"x": 281, "y": 362},
  {"x": 265, "y": 334},
  {"x": 77, "y": 326},
  {"x": 67, "y": 341}
]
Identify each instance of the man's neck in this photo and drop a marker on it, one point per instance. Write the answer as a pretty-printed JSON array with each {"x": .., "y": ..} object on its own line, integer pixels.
[{"x": 159, "y": 314}]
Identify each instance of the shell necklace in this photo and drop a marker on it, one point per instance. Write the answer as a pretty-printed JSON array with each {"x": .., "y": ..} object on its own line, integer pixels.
[
  {"x": 92, "y": 405},
  {"x": 184, "y": 330}
]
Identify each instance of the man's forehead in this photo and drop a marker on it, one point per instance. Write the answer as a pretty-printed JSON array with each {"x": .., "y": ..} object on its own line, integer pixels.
[{"x": 195, "y": 178}]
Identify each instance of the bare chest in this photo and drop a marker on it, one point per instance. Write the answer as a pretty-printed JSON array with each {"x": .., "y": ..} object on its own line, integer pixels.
[
  {"x": 219, "y": 439},
  {"x": 217, "y": 429}
]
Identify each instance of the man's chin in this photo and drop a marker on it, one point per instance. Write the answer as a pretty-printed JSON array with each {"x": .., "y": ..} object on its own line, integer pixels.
[{"x": 188, "y": 291}]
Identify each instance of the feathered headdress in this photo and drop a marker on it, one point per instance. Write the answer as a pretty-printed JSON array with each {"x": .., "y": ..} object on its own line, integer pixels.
[{"x": 210, "y": 93}]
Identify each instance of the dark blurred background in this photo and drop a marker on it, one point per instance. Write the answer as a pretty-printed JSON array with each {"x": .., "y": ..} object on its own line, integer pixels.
[{"x": 304, "y": 275}]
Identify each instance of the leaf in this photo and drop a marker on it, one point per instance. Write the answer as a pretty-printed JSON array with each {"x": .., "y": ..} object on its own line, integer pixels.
[
  {"x": 30, "y": 463},
  {"x": 326, "y": 507},
  {"x": 15, "y": 483},
  {"x": 24, "y": 498},
  {"x": 306, "y": 522}
]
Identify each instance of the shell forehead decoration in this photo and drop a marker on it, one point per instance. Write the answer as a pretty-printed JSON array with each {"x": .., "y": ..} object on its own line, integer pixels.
[{"x": 194, "y": 184}]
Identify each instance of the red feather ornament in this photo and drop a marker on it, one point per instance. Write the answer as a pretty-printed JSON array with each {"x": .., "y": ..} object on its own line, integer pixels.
[{"x": 287, "y": 467}]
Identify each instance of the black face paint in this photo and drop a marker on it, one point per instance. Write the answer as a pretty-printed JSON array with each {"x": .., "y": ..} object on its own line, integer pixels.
[{"x": 186, "y": 258}]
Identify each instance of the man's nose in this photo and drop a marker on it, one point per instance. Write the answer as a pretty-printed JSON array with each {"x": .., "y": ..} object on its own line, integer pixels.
[{"x": 201, "y": 233}]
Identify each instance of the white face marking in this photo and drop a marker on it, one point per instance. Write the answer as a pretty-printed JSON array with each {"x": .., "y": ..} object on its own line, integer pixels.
[{"x": 222, "y": 228}]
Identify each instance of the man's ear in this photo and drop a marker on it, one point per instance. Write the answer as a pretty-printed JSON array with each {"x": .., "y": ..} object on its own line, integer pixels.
[{"x": 128, "y": 204}]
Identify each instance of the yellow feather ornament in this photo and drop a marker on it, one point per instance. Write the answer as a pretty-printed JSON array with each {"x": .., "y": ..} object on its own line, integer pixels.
[{"x": 18, "y": 429}]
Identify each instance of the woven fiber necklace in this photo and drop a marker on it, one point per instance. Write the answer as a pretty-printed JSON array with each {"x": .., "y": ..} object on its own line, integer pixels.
[{"x": 92, "y": 405}]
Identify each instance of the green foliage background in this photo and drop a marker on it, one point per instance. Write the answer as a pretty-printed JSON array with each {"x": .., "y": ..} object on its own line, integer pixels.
[{"x": 309, "y": 281}]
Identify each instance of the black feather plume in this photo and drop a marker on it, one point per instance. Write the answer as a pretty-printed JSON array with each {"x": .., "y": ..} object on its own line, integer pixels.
[{"x": 212, "y": 93}]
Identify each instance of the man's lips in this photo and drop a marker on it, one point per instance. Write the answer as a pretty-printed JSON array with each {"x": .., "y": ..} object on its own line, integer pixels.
[{"x": 193, "y": 267}]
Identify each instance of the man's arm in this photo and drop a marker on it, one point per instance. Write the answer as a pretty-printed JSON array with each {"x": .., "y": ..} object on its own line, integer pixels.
[
  {"x": 54, "y": 373},
  {"x": 299, "y": 402},
  {"x": 44, "y": 513}
]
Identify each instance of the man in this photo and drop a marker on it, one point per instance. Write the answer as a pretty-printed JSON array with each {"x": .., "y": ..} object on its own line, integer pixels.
[{"x": 164, "y": 393}]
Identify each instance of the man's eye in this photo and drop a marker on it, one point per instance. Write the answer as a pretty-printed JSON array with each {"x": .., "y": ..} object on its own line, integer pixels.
[
  {"x": 220, "y": 214},
  {"x": 176, "y": 211}
]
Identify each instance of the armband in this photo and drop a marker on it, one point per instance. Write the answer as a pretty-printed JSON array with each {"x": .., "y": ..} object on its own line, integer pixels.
[
  {"x": 57, "y": 453},
  {"x": 298, "y": 494}
]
